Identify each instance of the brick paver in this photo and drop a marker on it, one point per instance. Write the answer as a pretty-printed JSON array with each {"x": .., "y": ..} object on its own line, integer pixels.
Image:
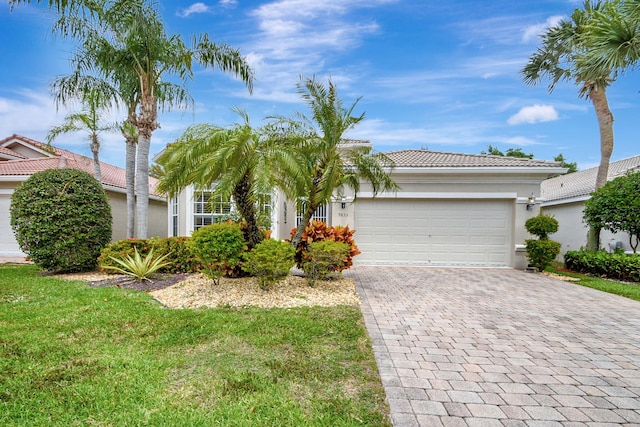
[{"x": 500, "y": 347}]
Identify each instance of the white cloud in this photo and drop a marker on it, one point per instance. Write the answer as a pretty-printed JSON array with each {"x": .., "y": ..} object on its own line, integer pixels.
[
  {"x": 534, "y": 114},
  {"x": 533, "y": 31},
  {"x": 194, "y": 8}
]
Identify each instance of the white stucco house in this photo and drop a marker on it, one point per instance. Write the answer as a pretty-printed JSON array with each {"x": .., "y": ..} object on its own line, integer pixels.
[
  {"x": 564, "y": 197},
  {"x": 20, "y": 157},
  {"x": 451, "y": 210}
]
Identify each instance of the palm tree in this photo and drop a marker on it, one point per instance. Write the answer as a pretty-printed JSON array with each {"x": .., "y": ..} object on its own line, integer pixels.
[
  {"x": 239, "y": 161},
  {"x": 612, "y": 39},
  {"x": 88, "y": 120},
  {"x": 559, "y": 59},
  {"x": 325, "y": 164},
  {"x": 125, "y": 42}
]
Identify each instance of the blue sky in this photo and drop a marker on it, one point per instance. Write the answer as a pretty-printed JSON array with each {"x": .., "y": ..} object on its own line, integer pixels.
[{"x": 437, "y": 74}]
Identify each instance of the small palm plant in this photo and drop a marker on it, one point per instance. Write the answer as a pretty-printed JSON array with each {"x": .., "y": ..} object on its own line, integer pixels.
[{"x": 138, "y": 267}]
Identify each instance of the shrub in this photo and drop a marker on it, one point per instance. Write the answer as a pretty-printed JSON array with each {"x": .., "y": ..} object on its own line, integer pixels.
[
  {"x": 541, "y": 253},
  {"x": 318, "y": 231},
  {"x": 617, "y": 265},
  {"x": 138, "y": 267},
  {"x": 323, "y": 258},
  {"x": 219, "y": 249},
  {"x": 541, "y": 226},
  {"x": 61, "y": 219},
  {"x": 270, "y": 261},
  {"x": 179, "y": 257}
]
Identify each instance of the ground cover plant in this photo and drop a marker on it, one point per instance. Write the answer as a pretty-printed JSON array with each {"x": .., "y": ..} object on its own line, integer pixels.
[
  {"x": 628, "y": 290},
  {"x": 75, "y": 355}
]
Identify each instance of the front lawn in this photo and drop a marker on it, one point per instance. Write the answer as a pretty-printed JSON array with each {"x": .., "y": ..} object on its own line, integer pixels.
[
  {"x": 75, "y": 355},
  {"x": 628, "y": 290}
]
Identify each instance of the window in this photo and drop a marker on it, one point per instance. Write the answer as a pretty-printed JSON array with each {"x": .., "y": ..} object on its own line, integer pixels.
[
  {"x": 174, "y": 216},
  {"x": 319, "y": 215},
  {"x": 209, "y": 209}
]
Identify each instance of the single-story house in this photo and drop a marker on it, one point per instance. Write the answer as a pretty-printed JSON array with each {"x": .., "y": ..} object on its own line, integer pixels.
[
  {"x": 20, "y": 157},
  {"x": 451, "y": 210},
  {"x": 564, "y": 197}
]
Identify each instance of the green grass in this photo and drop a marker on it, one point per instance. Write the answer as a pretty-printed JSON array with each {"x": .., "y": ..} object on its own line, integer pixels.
[
  {"x": 627, "y": 290},
  {"x": 71, "y": 355}
]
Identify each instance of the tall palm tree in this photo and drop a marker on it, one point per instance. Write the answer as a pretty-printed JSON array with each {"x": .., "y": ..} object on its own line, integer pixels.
[
  {"x": 325, "y": 164},
  {"x": 90, "y": 121},
  {"x": 125, "y": 41},
  {"x": 612, "y": 39},
  {"x": 559, "y": 59},
  {"x": 239, "y": 161}
]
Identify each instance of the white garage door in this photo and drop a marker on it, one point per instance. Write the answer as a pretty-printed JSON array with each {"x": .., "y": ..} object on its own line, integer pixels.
[
  {"x": 434, "y": 232},
  {"x": 8, "y": 244}
]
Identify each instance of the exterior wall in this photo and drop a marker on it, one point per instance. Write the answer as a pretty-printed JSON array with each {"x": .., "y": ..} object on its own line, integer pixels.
[{"x": 572, "y": 231}]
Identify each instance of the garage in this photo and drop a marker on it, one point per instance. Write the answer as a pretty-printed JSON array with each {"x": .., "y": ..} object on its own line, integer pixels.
[
  {"x": 8, "y": 244},
  {"x": 434, "y": 232}
]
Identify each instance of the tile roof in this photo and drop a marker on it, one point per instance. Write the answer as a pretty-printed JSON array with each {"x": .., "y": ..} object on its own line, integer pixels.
[
  {"x": 55, "y": 157},
  {"x": 582, "y": 183},
  {"x": 9, "y": 154},
  {"x": 434, "y": 159}
]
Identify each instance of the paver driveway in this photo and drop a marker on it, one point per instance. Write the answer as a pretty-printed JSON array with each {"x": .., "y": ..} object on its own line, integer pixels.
[{"x": 500, "y": 347}]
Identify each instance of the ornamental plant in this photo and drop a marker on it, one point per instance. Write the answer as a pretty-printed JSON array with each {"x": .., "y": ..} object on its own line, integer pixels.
[
  {"x": 616, "y": 207},
  {"x": 270, "y": 261},
  {"x": 318, "y": 231},
  {"x": 322, "y": 259},
  {"x": 542, "y": 251},
  {"x": 179, "y": 258},
  {"x": 61, "y": 219},
  {"x": 219, "y": 248},
  {"x": 138, "y": 267}
]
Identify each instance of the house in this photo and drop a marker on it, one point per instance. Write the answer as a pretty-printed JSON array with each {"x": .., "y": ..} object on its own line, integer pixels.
[
  {"x": 451, "y": 210},
  {"x": 20, "y": 157},
  {"x": 564, "y": 198}
]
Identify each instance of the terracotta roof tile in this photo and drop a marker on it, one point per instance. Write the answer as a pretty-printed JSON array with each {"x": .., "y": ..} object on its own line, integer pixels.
[
  {"x": 7, "y": 152},
  {"x": 111, "y": 175},
  {"x": 434, "y": 159},
  {"x": 582, "y": 183}
]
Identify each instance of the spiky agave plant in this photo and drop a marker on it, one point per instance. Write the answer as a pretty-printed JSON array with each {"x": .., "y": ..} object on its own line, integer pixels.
[{"x": 138, "y": 267}]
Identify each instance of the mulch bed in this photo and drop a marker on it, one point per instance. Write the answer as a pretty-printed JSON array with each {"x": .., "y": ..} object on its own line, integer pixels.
[{"x": 154, "y": 283}]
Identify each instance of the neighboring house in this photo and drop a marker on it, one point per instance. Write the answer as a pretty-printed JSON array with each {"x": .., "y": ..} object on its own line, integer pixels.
[
  {"x": 564, "y": 198},
  {"x": 20, "y": 157},
  {"x": 451, "y": 210}
]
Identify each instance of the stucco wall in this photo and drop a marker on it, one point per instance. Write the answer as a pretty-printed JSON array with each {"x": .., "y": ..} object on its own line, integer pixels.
[{"x": 572, "y": 231}]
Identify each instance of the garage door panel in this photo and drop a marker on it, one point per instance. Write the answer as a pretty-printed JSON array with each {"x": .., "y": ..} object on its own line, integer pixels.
[
  {"x": 434, "y": 232},
  {"x": 8, "y": 244}
]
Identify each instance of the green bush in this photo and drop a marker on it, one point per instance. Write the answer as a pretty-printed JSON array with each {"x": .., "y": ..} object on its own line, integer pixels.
[
  {"x": 617, "y": 265},
  {"x": 541, "y": 226},
  {"x": 323, "y": 258},
  {"x": 541, "y": 253},
  {"x": 219, "y": 248},
  {"x": 61, "y": 219},
  {"x": 179, "y": 257},
  {"x": 270, "y": 261},
  {"x": 319, "y": 231}
]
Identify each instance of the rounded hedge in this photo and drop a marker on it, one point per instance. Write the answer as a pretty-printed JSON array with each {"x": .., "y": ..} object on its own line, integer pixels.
[
  {"x": 61, "y": 219},
  {"x": 541, "y": 226}
]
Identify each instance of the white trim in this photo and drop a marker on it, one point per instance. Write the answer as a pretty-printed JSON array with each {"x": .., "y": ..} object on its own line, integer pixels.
[
  {"x": 436, "y": 195},
  {"x": 576, "y": 199},
  {"x": 479, "y": 169},
  {"x": 6, "y": 190}
]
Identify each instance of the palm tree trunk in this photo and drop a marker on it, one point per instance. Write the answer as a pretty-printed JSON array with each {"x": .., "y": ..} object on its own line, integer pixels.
[
  {"x": 146, "y": 124},
  {"x": 598, "y": 98},
  {"x": 247, "y": 209},
  {"x": 95, "y": 149},
  {"x": 130, "y": 177},
  {"x": 142, "y": 186}
]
